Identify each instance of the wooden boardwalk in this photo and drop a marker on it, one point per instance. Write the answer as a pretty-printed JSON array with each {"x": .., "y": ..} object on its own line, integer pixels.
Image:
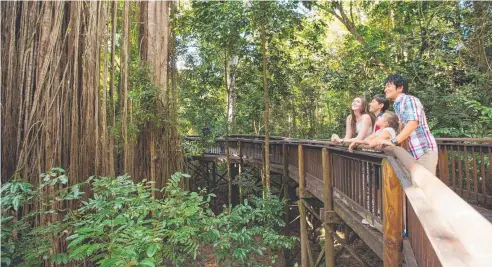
[{"x": 465, "y": 168}]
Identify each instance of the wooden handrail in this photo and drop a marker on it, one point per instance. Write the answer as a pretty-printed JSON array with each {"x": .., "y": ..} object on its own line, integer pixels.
[
  {"x": 459, "y": 234},
  {"x": 289, "y": 139},
  {"x": 484, "y": 140}
]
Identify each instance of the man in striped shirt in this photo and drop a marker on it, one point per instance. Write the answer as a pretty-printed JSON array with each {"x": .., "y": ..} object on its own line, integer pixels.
[{"x": 421, "y": 142}]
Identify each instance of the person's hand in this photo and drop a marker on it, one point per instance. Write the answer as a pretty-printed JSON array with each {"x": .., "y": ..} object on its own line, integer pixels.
[
  {"x": 351, "y": 146},
  {"x": 336, "y": 139},
  {"x": 385, "y": 143}
]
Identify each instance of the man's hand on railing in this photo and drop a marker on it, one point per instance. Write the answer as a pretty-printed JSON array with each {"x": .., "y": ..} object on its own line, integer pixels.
[{"x": 385, "y": 143}]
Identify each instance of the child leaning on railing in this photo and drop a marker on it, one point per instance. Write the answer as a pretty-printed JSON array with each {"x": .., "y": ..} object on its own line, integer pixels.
[{"x": 388, "y": 124}]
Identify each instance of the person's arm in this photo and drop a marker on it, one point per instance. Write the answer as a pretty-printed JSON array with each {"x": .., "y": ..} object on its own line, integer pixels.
[
  {"x": 407, "y": 130},
  {"x": 404, "y": 134},
  {"x": 366, "y": 141},
  {"x": 412, "y": 110},
  {"x": 370, "y": 137},
  {"x": 348, "y": 128},
  {"x": 385, "y": 135},
  {"x": 355, "y": 143},
  {"x": 366, "y": 126}
]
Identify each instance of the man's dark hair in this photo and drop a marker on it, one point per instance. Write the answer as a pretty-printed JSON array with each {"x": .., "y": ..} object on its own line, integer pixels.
[
  {"x": 398, "y": 81},
  {"x": 382, "y": 100}
]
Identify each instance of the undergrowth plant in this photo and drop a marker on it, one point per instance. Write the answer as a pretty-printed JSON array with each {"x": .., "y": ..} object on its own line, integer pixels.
[
  {"x": 248, "y": 182},
  {"x": 124, "y": 224},
  {"x": 24, "y": 241},
  {"x": 241, "y": 234}
]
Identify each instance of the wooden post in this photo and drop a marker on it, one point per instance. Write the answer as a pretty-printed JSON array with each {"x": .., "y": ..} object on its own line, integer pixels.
[
  {"x": 285, "y": 164},
  {"x": 305, "y": 240},
  {"x": 443, "y": 166},
  {"x": 392, "y": 232},
  {"x": 328, "y": 205},
  {"x": 240, "y": 152},
  {"x": 302, "y": 184}
]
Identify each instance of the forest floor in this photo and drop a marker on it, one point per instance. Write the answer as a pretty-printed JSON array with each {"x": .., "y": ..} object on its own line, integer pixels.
[{"x": 206, "y": 256}]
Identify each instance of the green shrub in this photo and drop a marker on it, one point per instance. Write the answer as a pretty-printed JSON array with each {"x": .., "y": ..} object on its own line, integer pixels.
[
  {"x": 123, "y": 224},
  {"x": 245, "y": 231},
  {"x": 24, "y": 243}
]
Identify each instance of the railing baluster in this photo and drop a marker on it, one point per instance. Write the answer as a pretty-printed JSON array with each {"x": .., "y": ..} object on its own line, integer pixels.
[
  {"x": 460, "y": 171},
  {"x": 342, "y": 177},
  {"x": 360, "y": 181},
  {"x": 453, "y": 168},
  {"x": 380, "y": 192},
  {"x": 352, "y": 178},
  {"x": 357, "y": 179},
  {"x": 483, "y": 175},
  {"x": 364, "y": 185},
  {"x": 335, "y": 169},
  {"x": 475, "y": 180},
  {"x": 468, "y": 179},
  {"x": 443, "y": 164},
  {"x": 370, "y": 186},
  {"x": 349, "y": 178}
]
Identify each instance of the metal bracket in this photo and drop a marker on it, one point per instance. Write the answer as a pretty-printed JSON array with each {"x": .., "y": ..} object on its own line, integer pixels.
[{"x": 331, "y": 216}]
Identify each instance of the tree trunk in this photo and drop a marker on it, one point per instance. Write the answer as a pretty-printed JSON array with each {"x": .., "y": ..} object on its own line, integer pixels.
[
  {"x": 481, "y": 20},
  {"x": 230, "y": 73},
  {"x": 155, "y": 46},
  {"x": 106, "y": 148},
  {"x": 177, "y": 156},
  {"x": 123, "y": 88},
  {"x": 114, "y": 22},
  {"x": 264, "y": 46}
]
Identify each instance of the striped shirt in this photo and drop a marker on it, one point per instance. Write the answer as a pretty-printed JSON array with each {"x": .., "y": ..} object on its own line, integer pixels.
[{"x": 408, "y": 108}]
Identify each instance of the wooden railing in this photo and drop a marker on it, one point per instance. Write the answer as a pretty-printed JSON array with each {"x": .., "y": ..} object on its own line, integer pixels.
[
  {"x": 465, "y": 165},
  {"x": 442, "y": 229}
]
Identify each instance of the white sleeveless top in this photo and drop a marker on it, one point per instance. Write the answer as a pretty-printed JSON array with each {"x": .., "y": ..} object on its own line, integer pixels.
[
  {"x": 358, "y": 126},
  {"x": 390, "y": 130}
]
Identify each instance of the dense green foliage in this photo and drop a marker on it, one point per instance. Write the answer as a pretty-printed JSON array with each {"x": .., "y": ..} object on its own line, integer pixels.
[
  {"x": 115, "y": 227},
  {"x": 322, "y": 54},
  {"x": 123, "y": 224},
  {"x": 24, "y": 241},
  {"x": 248, "y": 230}
]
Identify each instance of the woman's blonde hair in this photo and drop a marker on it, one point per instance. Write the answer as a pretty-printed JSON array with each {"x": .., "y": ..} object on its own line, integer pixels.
[{"x": 392, "y": 119}]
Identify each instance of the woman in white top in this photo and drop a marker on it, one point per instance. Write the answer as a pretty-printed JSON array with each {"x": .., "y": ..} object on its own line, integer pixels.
[
  {"x": 388, "y": 124},
  {"x": 359, "y": 123}
]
